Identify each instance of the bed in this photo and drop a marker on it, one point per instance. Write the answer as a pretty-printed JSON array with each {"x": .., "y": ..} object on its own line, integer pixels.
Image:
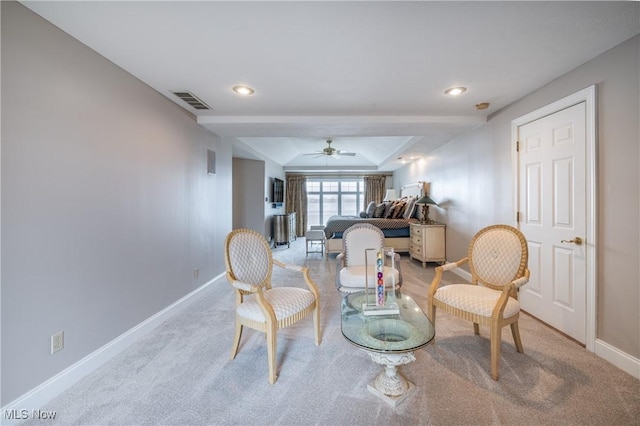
[{"x": 396, "y": 231}]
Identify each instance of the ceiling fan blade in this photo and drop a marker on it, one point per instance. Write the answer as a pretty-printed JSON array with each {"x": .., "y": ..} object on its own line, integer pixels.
[{"x": 329, "y": 151}]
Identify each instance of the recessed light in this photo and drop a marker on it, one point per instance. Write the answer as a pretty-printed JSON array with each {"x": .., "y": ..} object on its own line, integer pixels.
[
  {"x": 243, "y": 90},
  {"x": 455, "y": 91}
]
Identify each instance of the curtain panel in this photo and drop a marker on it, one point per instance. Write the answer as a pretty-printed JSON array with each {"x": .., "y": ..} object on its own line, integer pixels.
[
  {"x": 296, "y": 201},
  {"x": 374, "y": 188}
]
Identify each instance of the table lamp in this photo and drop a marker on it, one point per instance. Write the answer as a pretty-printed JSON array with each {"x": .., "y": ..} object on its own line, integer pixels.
[
  {"x": 426, "y": 201},
  {"x": 390, "y": 195}
]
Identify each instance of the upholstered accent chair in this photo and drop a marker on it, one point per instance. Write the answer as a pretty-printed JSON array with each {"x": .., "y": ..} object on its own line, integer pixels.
[
  {"x": 497, "y": 259},
  {"x": 351, "y": 272},
  {"x": 249, "y": 263}
]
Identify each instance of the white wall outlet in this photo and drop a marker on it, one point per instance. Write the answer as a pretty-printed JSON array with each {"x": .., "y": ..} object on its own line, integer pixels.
[{"x": 57, "y": 342}]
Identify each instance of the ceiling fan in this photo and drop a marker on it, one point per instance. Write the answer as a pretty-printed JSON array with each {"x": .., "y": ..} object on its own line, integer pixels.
[{"x": 331, "y": 151}]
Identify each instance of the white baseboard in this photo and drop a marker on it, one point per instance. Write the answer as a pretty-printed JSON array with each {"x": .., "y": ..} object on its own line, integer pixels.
[
  {"x": 618, "y": 358},
  {"x": 615, "y": 356},
  {"x": 462, "y": 273},
  {"x": 45, "y": 392}
]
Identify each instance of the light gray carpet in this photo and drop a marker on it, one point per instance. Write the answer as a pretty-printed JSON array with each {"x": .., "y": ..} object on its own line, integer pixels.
[{"x": 180, "y": 374}]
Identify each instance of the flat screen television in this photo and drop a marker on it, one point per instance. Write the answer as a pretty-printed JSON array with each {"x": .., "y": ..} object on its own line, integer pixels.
[{"x": 277, "y": 195}]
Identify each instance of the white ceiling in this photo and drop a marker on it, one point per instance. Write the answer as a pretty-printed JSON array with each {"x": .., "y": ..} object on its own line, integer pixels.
[{"x": 370, "y": 75}]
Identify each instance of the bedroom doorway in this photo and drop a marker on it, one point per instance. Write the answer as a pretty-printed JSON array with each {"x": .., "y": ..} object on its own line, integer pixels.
[{"x": 555, "y": 196}]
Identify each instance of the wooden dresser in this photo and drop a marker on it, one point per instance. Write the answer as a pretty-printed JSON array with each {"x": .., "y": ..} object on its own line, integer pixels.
[{"x": 428, "y": 242}]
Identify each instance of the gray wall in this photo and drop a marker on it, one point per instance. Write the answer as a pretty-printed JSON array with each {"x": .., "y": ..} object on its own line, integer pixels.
[
  {"x": 473, "y": 178},
  {"x": 249, "y": 194},
  {"x": 252, "y": 182},
  {"x": 106, "y": 204}
]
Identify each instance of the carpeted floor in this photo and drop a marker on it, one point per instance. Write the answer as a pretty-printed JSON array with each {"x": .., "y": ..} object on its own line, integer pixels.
[{"x": 180, "y": 373}]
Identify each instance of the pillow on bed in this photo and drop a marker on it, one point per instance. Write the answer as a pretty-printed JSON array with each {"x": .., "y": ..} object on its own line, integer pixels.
[
  {"x": 387, "y": 210},
  {"x": 410, "y": 208},
  {"x": 399, "y": 210},
  {"x": 363, "y": 215},
  {"x": 379, "y": 210},
  {"x": 371, "y": 209},
  {"x": 388, "y": 214}
]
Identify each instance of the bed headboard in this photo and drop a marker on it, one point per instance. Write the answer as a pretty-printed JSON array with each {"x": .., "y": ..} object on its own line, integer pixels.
[{"x": 415, "y": 189}]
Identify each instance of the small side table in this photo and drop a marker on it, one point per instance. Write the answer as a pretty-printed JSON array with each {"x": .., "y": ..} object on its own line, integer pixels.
[{"x": 427, "y": 242}]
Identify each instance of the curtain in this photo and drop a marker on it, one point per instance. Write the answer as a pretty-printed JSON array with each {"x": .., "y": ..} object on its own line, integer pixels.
[
  {"x": 374, "y": 187},
  {"x": 296, "y": 201}
]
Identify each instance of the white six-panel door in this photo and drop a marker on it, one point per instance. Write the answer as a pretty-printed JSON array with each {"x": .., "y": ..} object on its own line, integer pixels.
[{"x": 552, "y": 207}]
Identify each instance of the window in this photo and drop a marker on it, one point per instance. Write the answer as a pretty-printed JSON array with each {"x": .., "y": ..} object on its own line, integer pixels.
[{"x": 327, "y": 197}]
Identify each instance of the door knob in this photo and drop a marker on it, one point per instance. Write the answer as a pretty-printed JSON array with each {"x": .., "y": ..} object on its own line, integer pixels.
[{"x": 577, "y": 241}]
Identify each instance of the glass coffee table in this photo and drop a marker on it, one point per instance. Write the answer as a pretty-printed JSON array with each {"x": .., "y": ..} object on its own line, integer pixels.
[{"x": 388, "y": 339}]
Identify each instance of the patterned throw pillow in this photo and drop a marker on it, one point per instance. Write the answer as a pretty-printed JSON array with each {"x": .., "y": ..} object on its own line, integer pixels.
[
  {"x": 379, "y": 210},
  {"x": 410, "y": 208},
  {"x": 399, "y": 210},
  {"x": 387, "y": 209},
  {"x": 388, "y": 214}
]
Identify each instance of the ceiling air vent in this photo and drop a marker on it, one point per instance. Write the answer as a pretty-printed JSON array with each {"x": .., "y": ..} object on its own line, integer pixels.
[{"x": 192, "y": 100}]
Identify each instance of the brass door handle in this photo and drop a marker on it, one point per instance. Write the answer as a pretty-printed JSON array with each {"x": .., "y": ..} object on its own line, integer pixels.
[{"x": 577, "y": 241}]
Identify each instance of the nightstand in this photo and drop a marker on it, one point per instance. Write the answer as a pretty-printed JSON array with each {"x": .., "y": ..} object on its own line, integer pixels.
[{"x": 427, "y": 242}]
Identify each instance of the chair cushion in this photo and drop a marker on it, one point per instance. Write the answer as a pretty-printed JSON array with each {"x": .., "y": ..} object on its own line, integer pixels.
[
  {"x": 496, "y": 256},
  {"x": 357, "y": 239},
  {"x": 354, "y": 276},
  {"x": 475, "y": 299},
  {"x": 314, "y": 235},
  {"x": 285, "y": 301}
]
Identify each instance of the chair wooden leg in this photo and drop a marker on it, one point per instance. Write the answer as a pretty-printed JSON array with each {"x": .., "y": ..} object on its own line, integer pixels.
[
  {"x": 432, "y": 314},
  {"x": 271, "y": 355},
  {"x": 496, "y": 337},
  {"x": 316, "y": 324},
  {"x": 476, "y": 328},
  {"x": 236, "y": 340},
  {"x": 515, "y": 331}
]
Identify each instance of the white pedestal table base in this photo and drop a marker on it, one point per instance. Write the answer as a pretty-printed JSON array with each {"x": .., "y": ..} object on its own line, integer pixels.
[{"x": 390, "y": 385}]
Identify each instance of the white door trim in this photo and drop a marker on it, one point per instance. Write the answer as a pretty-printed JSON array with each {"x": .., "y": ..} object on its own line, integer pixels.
[{"x": 588, "y": 96}]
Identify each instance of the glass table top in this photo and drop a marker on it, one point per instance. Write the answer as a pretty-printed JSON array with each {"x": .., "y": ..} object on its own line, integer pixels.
[{"x": 403, "y": 332}]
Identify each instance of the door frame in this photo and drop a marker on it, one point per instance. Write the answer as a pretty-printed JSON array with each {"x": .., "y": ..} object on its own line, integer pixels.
[{"x": 587, "y": 95}]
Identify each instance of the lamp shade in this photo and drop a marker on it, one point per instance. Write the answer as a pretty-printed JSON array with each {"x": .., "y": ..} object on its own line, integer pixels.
[
  {"x": 391, "y": 194},
  {"x": 426, "y": 200}
]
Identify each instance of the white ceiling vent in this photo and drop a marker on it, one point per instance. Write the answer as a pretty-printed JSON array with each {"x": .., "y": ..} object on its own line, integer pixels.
[{"x": 191, "y": 99}]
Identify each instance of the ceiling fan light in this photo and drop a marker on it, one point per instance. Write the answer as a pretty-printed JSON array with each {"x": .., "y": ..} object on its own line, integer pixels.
[
  {"x": 455, "y": 91},
  {"x": 243, "y": 90}
]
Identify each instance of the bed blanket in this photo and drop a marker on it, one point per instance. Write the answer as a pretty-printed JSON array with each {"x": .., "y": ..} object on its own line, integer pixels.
[{"x": 336, "y": 225}]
